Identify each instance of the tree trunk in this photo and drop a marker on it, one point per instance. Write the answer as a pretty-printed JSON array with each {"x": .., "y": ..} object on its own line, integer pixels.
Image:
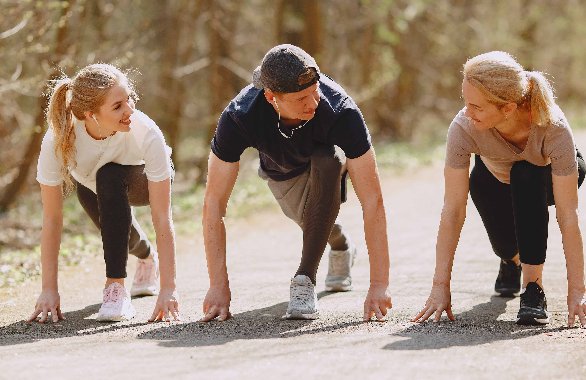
[
  {"x": 33, "y": 147},
  {"x": 299, "y": 23}
]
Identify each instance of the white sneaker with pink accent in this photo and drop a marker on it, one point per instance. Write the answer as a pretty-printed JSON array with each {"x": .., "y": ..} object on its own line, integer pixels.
[
  {"x": 146, "y": 277},
  {"x": 116, "y": 305}
]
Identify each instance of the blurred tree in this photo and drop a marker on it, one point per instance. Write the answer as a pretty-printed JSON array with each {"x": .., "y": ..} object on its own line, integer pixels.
[
  {"x": 299, "y": 23},
  {"x": 399, "y": 59},
  {"x": 176, "y": 21},
  {"x": 60, "y": 51}
]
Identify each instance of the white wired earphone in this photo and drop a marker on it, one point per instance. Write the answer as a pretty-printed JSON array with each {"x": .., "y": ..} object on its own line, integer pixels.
[{"x": 279, "y": 122}]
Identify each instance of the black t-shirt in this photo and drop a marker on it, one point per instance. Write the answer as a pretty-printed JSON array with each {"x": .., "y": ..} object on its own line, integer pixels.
[{"x": 250, "y": 121}]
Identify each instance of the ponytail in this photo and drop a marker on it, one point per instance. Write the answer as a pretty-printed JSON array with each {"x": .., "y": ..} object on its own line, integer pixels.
[
  {"x": 73, "y": 98},
  {"x": 60, "y": 119},
  {"x": 542, "y": 98}
]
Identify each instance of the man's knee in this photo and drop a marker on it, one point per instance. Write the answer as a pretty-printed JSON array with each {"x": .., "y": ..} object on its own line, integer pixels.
[{"x": 327, "y": 161}]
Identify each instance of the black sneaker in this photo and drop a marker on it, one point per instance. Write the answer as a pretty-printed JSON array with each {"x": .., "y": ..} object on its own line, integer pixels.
[
  {"x": 508, "y": 282},
  {"x": 533, "y": 310}
]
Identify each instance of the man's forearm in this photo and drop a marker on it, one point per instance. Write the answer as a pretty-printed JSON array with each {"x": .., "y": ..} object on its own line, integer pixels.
[
  {"x": 215, "y": 248},
  {"x": 375, "y": 231}
]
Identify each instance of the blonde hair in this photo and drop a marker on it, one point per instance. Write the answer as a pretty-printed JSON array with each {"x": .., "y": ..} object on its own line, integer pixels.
[
  {"x": 86, "y": 91},
  {"x": 503, "y": 80}
]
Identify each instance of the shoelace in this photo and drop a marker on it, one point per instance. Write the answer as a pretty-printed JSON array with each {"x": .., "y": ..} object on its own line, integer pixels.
[
  {"x": 303, "y": 293},
  {"x": 113, "y": 295},
  {"x": 144, "y": 271},
  {"x": 531, "y": 298}
]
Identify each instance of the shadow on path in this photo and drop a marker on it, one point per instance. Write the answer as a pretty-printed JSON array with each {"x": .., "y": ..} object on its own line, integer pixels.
[
  {"x": 77, "y": 323},
  {"x": 255, "y": 324},
  {"x": 264, "y": 323},
  {"x": 474, "y": 327}
]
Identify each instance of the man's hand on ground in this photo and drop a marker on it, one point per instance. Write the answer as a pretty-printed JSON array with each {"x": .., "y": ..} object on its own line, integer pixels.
[{"x": 216, "y": 304}]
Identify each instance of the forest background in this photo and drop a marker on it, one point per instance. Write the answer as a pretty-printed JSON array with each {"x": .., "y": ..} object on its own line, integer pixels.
[{"x": 399, "y": 59}]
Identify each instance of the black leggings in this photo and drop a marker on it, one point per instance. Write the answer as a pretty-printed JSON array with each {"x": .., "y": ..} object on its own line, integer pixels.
[
  {"x": 515, "y": 216},
  {"x": 118, "y": 188}
]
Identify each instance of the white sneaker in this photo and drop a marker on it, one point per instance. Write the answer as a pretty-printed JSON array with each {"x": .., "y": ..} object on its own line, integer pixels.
[
  {"x": 116, "y": 305},
  {"x": 303, "y": 302},
  {"x": 339, "y": 278},
  {"x": 146, "y": 277}
]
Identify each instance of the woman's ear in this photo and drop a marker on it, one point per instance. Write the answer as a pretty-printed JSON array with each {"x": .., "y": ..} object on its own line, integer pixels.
[{"x": 508, "y": 109}]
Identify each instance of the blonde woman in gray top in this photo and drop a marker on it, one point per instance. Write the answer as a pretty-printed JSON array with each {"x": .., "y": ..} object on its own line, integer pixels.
[{"x": 525, "y": 160}]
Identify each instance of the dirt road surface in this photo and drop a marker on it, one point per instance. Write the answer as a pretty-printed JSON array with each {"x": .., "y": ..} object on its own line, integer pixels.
[{"x": 264, "y": 250}]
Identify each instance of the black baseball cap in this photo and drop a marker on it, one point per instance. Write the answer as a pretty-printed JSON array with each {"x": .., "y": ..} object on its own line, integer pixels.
[{"x": 286, "y": 68}]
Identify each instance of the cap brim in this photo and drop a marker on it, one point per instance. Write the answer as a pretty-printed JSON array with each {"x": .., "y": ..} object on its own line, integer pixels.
[{"x": 256, "y": 82}]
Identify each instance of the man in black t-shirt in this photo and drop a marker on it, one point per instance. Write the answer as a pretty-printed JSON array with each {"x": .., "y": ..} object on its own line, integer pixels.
[{"x": 309, "y": 133}]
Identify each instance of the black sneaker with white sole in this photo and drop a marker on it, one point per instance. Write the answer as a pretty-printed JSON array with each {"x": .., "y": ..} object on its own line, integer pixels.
[
  {"x": 533, "y": 310},
  {"x": 508, "y": 282}
]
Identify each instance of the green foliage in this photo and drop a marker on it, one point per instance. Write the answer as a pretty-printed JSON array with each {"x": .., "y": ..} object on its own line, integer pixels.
[{"x": 399, "y": 59}]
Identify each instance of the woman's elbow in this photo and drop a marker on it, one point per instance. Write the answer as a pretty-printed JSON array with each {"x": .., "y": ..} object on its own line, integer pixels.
[
  {"x": 454, "y": 214},
  {"x": 567, "y": 218}
]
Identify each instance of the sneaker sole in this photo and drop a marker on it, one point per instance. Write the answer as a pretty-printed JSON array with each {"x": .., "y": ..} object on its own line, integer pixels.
[
  {"x": 532, "y": 318},
  {"x": 300, "y": 316},
  {"x": 119, "y": 318},
  {"x": 532, "y": 321},
  {"x": 338, "y": 288},
  {"x": 143, "y": 292},
  {"x": 507, "y": 292}
]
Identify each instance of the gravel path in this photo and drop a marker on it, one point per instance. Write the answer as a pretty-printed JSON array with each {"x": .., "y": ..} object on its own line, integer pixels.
[{"x": 484, "y": 342}]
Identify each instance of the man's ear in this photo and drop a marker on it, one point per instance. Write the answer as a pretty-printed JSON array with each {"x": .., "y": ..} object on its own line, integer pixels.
[{"x": 269, "y": 95}]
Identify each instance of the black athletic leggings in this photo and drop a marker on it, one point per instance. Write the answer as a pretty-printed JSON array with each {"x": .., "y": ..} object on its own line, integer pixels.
[
  {"x": 118, "y": 188},
  {"x": 515, "y": 216}
]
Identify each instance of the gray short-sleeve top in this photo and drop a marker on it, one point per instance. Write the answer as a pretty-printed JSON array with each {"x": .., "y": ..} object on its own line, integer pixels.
[{"x": 549, "y": 144}]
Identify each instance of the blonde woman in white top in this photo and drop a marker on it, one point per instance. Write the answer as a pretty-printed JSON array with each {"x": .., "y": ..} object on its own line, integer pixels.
[
  {"x": 116, "y": 157},
  {"x": 525, "y": 161}
]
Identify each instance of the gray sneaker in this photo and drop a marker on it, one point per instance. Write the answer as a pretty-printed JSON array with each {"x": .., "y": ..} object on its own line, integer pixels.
[
  {"x": 339, "y": 278},
  {"x": 303, "y": 302}
]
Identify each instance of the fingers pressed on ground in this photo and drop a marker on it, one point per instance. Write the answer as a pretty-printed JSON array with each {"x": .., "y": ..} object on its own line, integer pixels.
[
  {"x": 44, "y": 316},
  {"x": 153, "y": 317},
  {"x": 379, "y": 315},
  {"x": 571, "y": 319},
  {"x": 383, "y": 310},
  {"x": 450, "y": 314},
  {"x": 367, "y": 315},
  {"x": 34, "y": 315},
  {"x": 420, "y": 314},
  {"x": 582, "y": 317},
  {"x": 427, "y": 314},
  {"x": 209, "y": 315}
]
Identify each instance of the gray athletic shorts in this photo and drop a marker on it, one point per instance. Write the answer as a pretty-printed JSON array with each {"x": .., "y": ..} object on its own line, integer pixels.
[{"x": 292, "y": 194}]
